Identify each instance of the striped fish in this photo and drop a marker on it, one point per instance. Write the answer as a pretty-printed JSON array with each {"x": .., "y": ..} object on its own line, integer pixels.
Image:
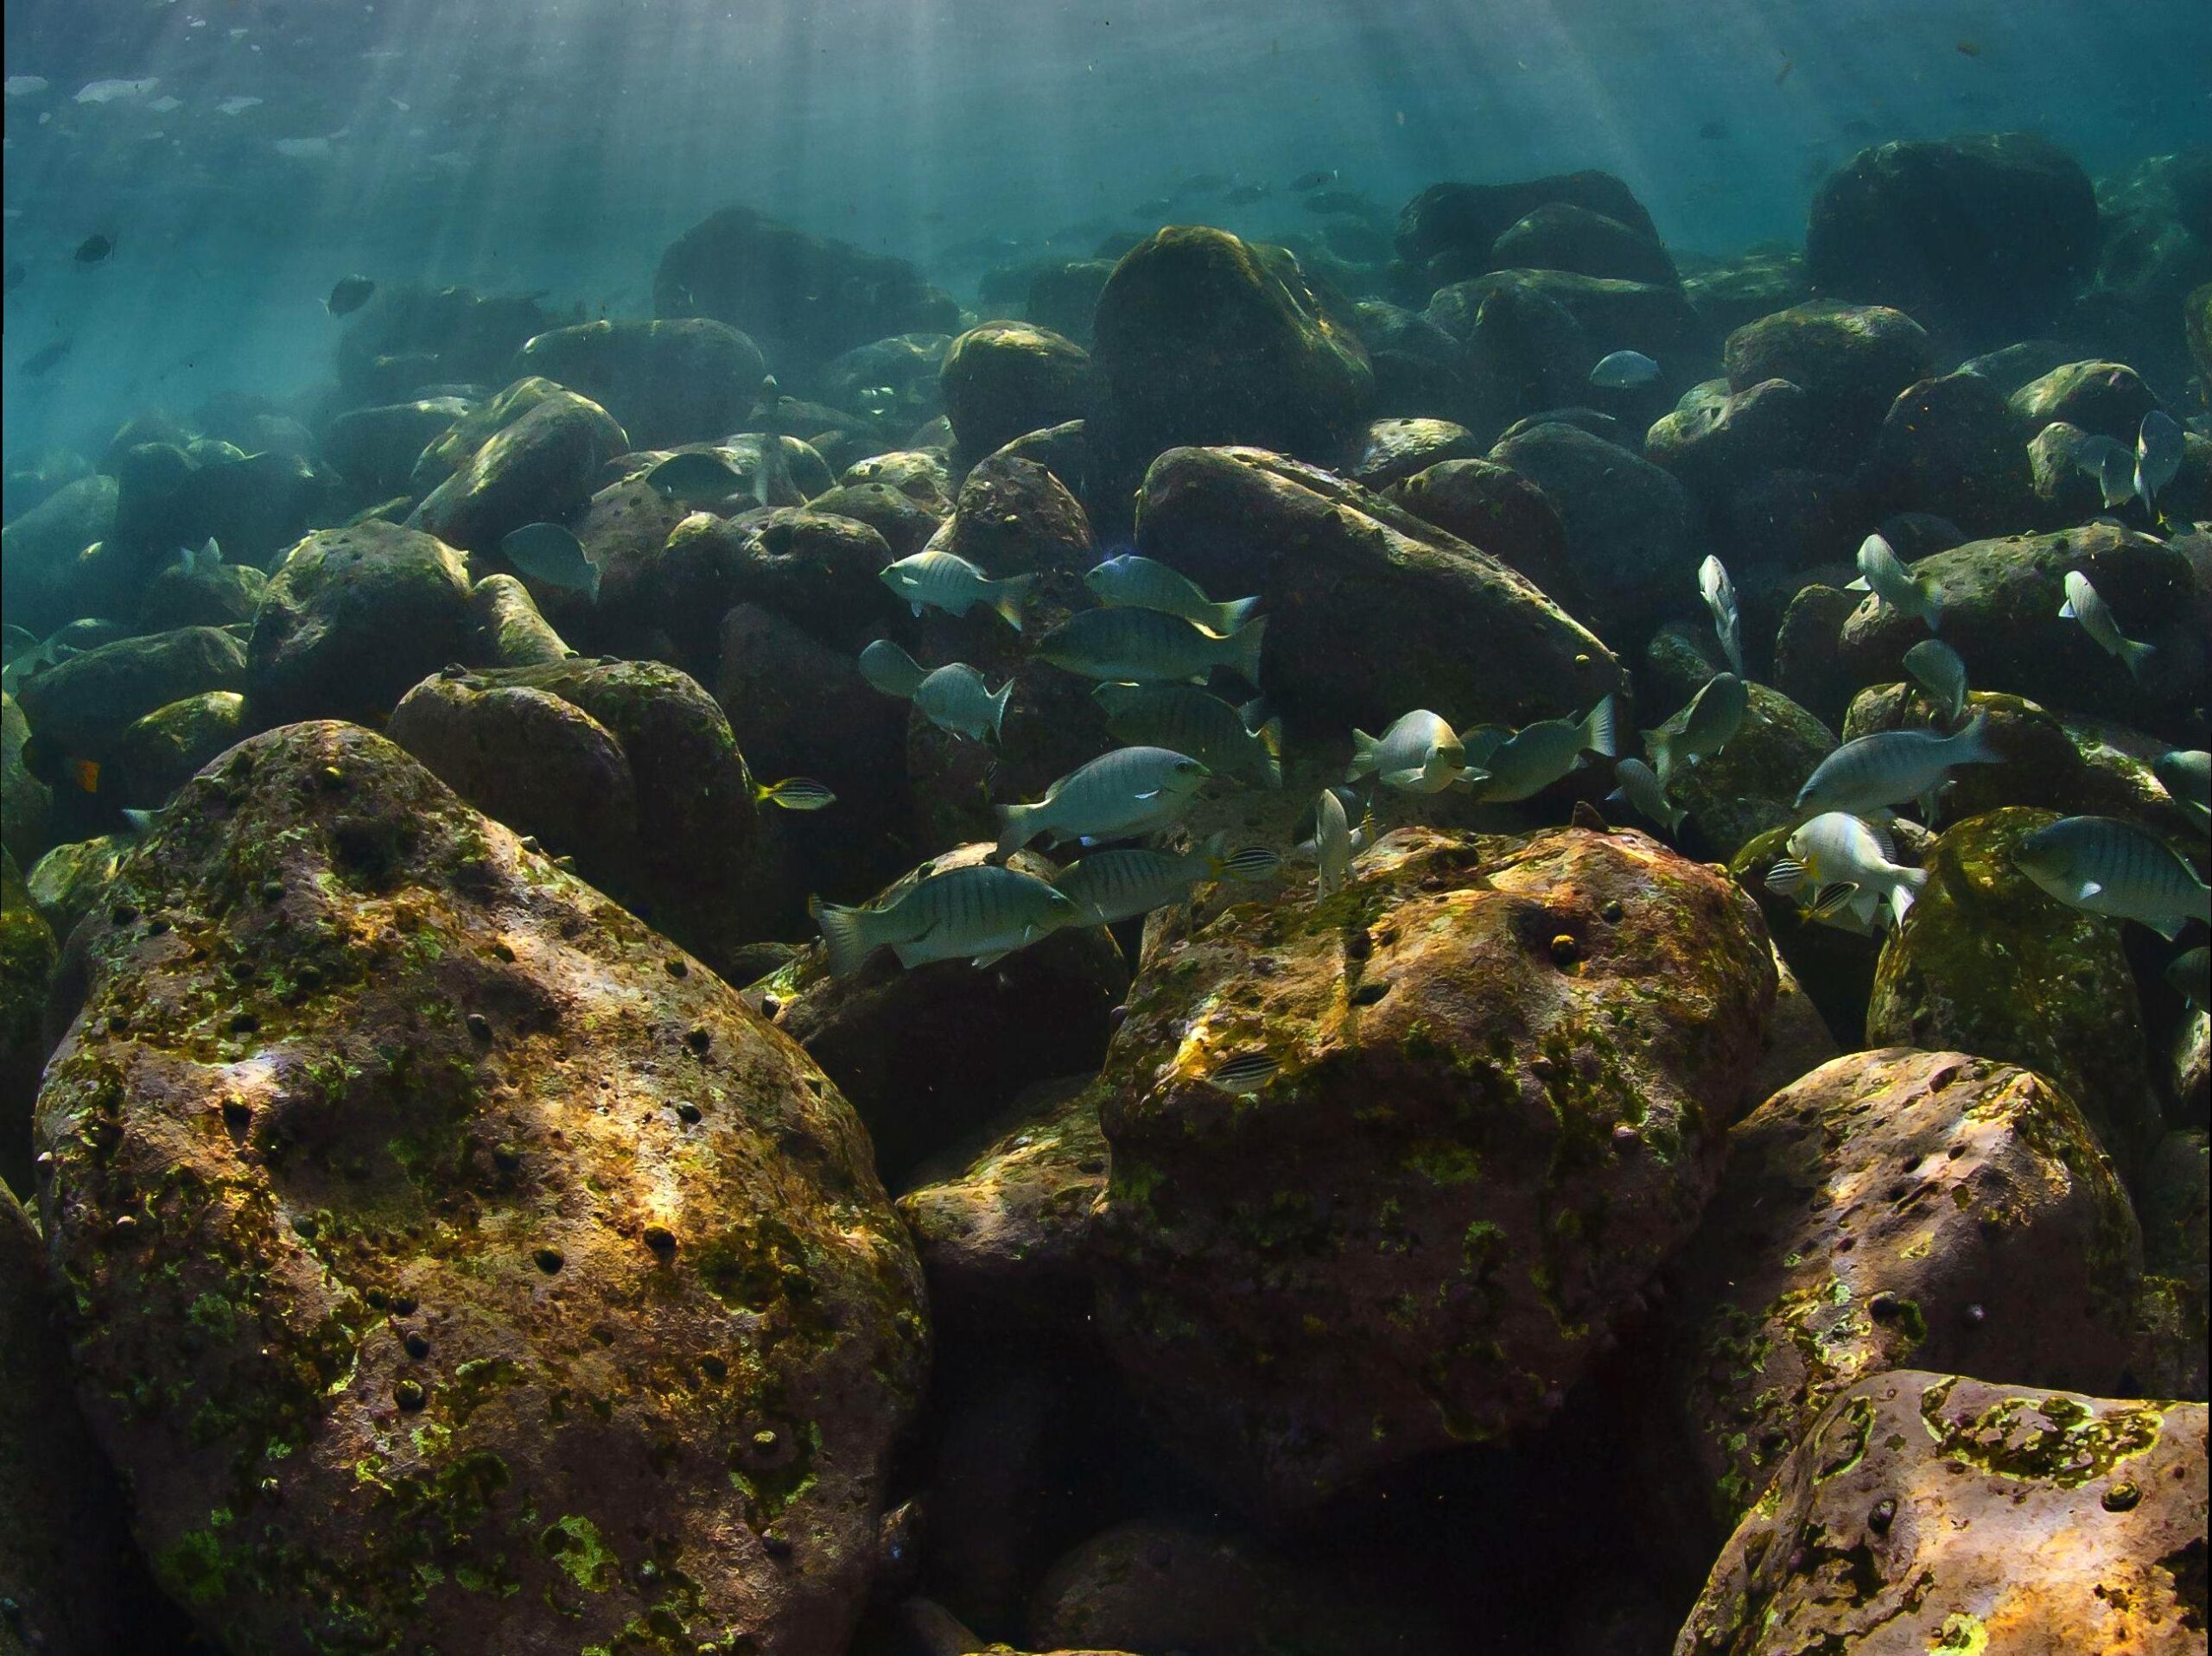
[
  {"x": 1128, "y": 581},
  {"x": 1872, "y": 773},
  {"x": 982, "y": 913},
  {"x": 1130, "y": 791},
  {"x": 1197, "y": 722},
  {"x": 2101, "y": 865}
]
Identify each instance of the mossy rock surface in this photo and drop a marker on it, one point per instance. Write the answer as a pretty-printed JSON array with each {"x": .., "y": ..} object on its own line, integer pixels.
[
  {"x": 679, "y": 380},
  {"x": 1896, "y": 1208},
  {"x": 442, "y": 1247},
  {"x": 2108, "y": 398},
  {"x": 1988, "y": 963},
  {"x": 1851, "y": 361},
  {"x": 458, "y": 444},
  {"x": 24, "y": 800},
  {"x": 158, "y": 753},
  {"x": 1931, "y": 1512},
  {"x": 85, "y": 704},
  {"x": 72, "y": 880},
  {"x": 27, "y": 954},
  {"x": 1506, "y": 1070},
  {"x": 820, "y": 571},
  {"x": 1001, "y": 379},
  {"x": 1751, "y": 785},
  {"x": 541, "y": 465}
]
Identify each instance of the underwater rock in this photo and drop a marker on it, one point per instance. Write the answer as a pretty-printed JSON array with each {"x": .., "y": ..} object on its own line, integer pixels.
[
  {"x": 2174, "y": 1202},
  {"x": 1780, "y": 527},
  {"x": 1370, "y": 610},
  {"x": 929, "y": 1054},
  {"x": 512, "y": 630},
  {"x": 1004, "y": 378},
  {"x": 2062, "y": 474},
  {"x": 411, "y": 339},
  {"x": 353, "y": 617},
  {"x": 622, "y": 532},
  {"x": 2108, "y": 398},
  {"x": 686, "y": 380},
  {"x": 38, "y": 590},
  {"x": 71, "y": 880},
  {"x": 1203, "y": 337},
  {"x": 921, "y": 474},
  {"x": 1559, "y": 236},
  {"x": 1988, "y": 963},
  {"x": 541, "y": 466},
  {"x": 1013, "y": 517},
  {"x": 155, "y": 755},
  {"x": 1717, "y": 441},
  {"x": 904, "y": 522},
  {"x": 224, "y": 596},
  {"x": 1628, "y": 523},
  {"x": 1494, "y": 508},
  {"x": 24, "y": 800},
  {"x": 1448, "y": 230},
  {"x": 1895, "y": 1209},
  {"x": 1809, "y": 663},
  {"x": 2197, "y": 320},
  {"x": 1304, "y": 1290},
  {"x": 407, "y": 1339},
  {"x": 1851, "y": 361},
  {"x": 1953, "y": 447},
  {"x": 1065, "y": 297},
  {"x": 1983, "y": 237},
  {"x": 629, "y": 767},
  {"x": 1928, "y": 1512},
  {"x": 73, "y": 1582},
  {"x": 446, "y": 454},
  {"x": 1393, "y": 450},
  {"x": 377, "y": 448},
  {"x": 28, "y": 481},
  {"x": 2000, "y": 603},
  {"x": 1532, "y": 336},
  {"x": 27, "y": 957},
  {"x": 1063, "y": 450},
  {"x": 83, "y": 705},
  {"x": 1751, "y": 785},
  {"x": 806, "y": 298},
  {"x": 1728, "y": 293},
  {"x": 819, "y": 571}
]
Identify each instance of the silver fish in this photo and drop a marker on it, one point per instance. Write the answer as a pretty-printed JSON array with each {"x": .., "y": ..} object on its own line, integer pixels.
[
  {"x": 1703, "y": 729},
  {"x": 891, "y": 669},
  {"x": 982, "y": 912},
  {"x": 1107, "y": 886},
  {"x": 2104, "y": 866},
  {"x": 548, "y": 553},
  {"x": 1197, "y": 722},
  {"x": 1504, "y": 768},
  {"x": 1418, "y": 754},
  {"x": 1884, "y": 573},
  {"x": 1130, "y": 791},
  {"x": 2159, "y": 450},
  {"x": 1836, "y": 849},
  {"x": 1937, "y": 668},
  {"x": 1332, "y": 845},
  {"x": 2086, "y": 604},
  {"x": 695, "y": 474},
  {"x": 1720, "y": 594},
  {"x": 1621, "y": 371},
  {"x": 954, "y": 697},
  {"x": 944, "y": 581},
  {"x": 1150, "y": 647},
  {"x": 1872, "y": 773},
  {"x": 209, "y": 556},
  {"x": 1641, "y": 790},
  {"x": 2186, "y": 775},
  {"x": 1128, "y": 582}
]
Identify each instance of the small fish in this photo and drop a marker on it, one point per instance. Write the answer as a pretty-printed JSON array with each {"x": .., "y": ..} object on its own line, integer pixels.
[
  {"x": 1622, "y": 371},
  {"x": 1506, "y": 767},
  {"x": 1715, "y": 713},
  {"x": 1969, "y": 49},
  {"x": 943, "y": 580},
  {"x": 349, "y": 296},
  {"x": 2084, "y": 604},
  {"x": 1641, "y": 790},
  {"x": 794, "y": 794},
  {"x": 26, "y": 85},
  {"x": 695, "y": 474},
  {"x": 46, "y": 761},
  {"x": 1712, "y": 131},
  {"x": 1312, "y": 180},
  {"x": 1128, "y": 582},
  {"x": 141, "y": 823},
  {"x": 1150, "y": 647},
  {"x": 1251, "y": 864},
  {"x": 955, "y": 698},
  {"x": 1245, "y": 1073},
  {"x": 2159, "y": 450},
  {"x": 982, "y": 913},
  {"x": 771, "y": 478},
  {"x": 548, "y": 553},
  {"x": 94, "y": 249},
  {"x": 1720, "y": 594},
  {"x": 2186, "y": 775},
  {"x": 1872, "y": 773},
  {"x": 1197, "y": 722},
  {"x": 1836, "y": 850},
  {"x": 1332, "y": 845},
  {"x": 1121, "y": 795},
  {"x": 2111, "y": 463},
  {"x": 1882, "y": 572},
  {"x": 891, "y": 669},
  {"x": 1418, "y": 754},
  {"x": 1936, "y": 668},
  {"x": 2191, "y": 975},
  {"x": 48, "y": 357},
  {"x": 2101, "y": 865},
  {"x": 208, "y": 557},
  {"x": 877, "y": 400},
  {"x": 1110, "y": 886}
]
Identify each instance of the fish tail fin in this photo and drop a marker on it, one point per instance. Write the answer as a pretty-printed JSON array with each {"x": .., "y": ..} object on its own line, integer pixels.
[
  {"x": 1270, "y": 735},
  {"x": 998, "y": 708},
  {"x": 1014, "y": 831},
  {"x": 1972, "y": 745},
  {"x": 1931, "y": 605},
  {"x": 1599, "y": 730},
  {"x": 1906, "y": 885},
  {"x": 1007, "y": 596},
  {"x": 2139, "y": 657},
  {"x": 1230, "y": 619},
  {"x": 1659, "y": 745},
  {"x": 844, "y": 934},
  {"x": 1363, "y": 759},
  {"x": 1244, "y": 647}
]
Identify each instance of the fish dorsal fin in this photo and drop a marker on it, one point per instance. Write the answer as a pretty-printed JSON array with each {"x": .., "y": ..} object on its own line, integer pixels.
[
  {"x": 1885, "y": 840},
  {"x": 2090, "y": 888}
]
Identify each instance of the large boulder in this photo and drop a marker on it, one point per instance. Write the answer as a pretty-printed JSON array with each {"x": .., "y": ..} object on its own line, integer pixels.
[
  {"x": 454, "y": 1264},
  {"x": 156, "y": 755},
  {"x": 1953, "y": 448},
  {"x": 542, "y": 467},
  {"x": 1895, "y": 1209},
  {"x": 2108, "y": 398},
  {"x": 84, "y": 706},
  {"x": 680, "y": 381},
  {"x": 1305, "y": 1288},
  {"x": 1533, "y": 337},
  {"x": 1751, "y": 785},
  {"x": 1717, "y": 441},
  {"x": 804, "y": 297},
  {"x": 1559, "y": 236},
  {"x": 1448, "y": 230},
  {"x": 376, "y": 448},
  {"x": 1495, "y": 509},
  {"x": 1928, "y": 1512},
  {"x": 1983, "y": 237},
  {"x": 1369, "y": 609},
  {"x": 408, "y": 338},
  {"x": 27, "y": 955},
  {"x": 1850, "y": 360},
  {"x": 39, "y": 553},
  {"x": 820, "y": 571},
  {"x": 1004, "y": 379},
  {"x": 353, "y": 617}
]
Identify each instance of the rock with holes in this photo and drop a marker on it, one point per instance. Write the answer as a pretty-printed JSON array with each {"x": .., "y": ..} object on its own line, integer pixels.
[
  {"x": 1929, "y": 1513},
  {"x": 1896, "y": 1208},
  {"x": 1482, "y": 1099},
  {"x": 453, "y": 1263}
]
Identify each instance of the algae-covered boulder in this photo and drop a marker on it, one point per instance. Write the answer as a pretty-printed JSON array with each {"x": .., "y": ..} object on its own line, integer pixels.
[
  {"x": 84, "y": 706},
  {"x": 1203, "y": 338},
  {"x": 354, "y": 616},
  {"x": 407, "y": 340},
  {"x": 1532, "y": 338},
  {"x": 1506, "y": 1070},
  {"x": 1451, "y": 228},
  {"x": 920, "y": 474},
  {"x": 69, "y": 881},
  {"x": 1731, "y": 291},
  {"x": 1393, "y": 450},
  {"x": 821, "y": 571},
  {"x": 1751, "y": 785},
  {"x": 223, "y": 596},
  {"x": 1988, "y": 963},
  {"x": 155, "y": 755},
  {"x": 1952, "y": 446},
  {"x": 24, "y": 800},
  {"x": 377, "y": 448},
  {"x": 1895, "y": 1209},
  {"x": 1369, "y": 609},
  {"x": 685, "y": 380},
  {"x": 904, "y": 522},
  {"x": 39, "y": 552},
  {"x": 2108, "y": 398},
  {"x": 1004, "y": 378},
  {"x": 1560, "y": 236},
  {"x": 543, "y": 465},
  {"x": 1717, "y": 441},
  {"x": 26, "y": 961},
  {"x": 1850, "y": 360},
  {"x": 452, "y": 1262},
  {"x": 455, "y": 446},
  {"x": 512, "y": 630},
  {"x": 2173, "y": 1199},
  {"x": 1494, "y": 508},
  {"x": 1929, "y": 1513},
  {"x": 1984, "y": 237}
]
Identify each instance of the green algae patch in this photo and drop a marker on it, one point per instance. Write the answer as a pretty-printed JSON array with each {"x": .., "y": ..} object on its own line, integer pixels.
[{"x": 2054, "y": 1440}]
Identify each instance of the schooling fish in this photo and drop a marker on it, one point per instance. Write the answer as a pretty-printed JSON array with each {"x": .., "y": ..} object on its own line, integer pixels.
[
  {"x": 943, "y": 580},
  {"x": 48, "y": 357},
  {"x": 982, "y": 913},
  {"x": 1418, "y": 754},
  {"x": 1875, "y": 772},
  {"x": 1130, "y": 791},
  {"x": 1107, "y": 886},
  {"x": 695, "y": 474},
  {"x": 2103, "y": 866},
  {"x": 891, "y": 669},
  {"x": 794, "y": 794},
  {"x": 1937, "y": 668},
  {"x": 548, "y": 553},
  {"x": 1197, "y": 722},
  {"x": 1622, "y": 371},
  {"x": 94, "y": 249},
  {"x": 1835, "y": 849},
  {"x": 1332, "y": 848},
  {"x": 1504, "y": 768},
  {"x": 2159, "y": 448},
  {"x": 1703, "y": 729},
  {"x": 1882, "y": 572},
  {"x": 1720, "y": 594},
  {"x": 954, "y": 697},
  {"x": 1150, "y": 647},
  {"x": 1641, "y": 790},
  {"x": 1128, "y": 582},
  {"x": 2086, "y": 604},
  {"x": 2186, "y": 775},
  {"x": 349, "y": 296}
]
